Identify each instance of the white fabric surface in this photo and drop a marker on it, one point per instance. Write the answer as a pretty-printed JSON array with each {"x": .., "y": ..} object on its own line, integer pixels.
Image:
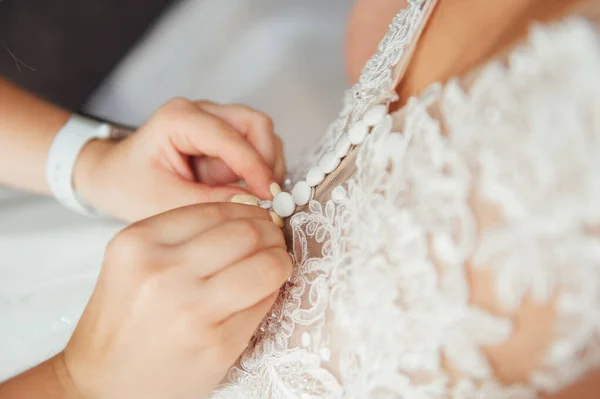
[
  {"x": 49, "y": 261},
  {"x": 281, "y": 56}
]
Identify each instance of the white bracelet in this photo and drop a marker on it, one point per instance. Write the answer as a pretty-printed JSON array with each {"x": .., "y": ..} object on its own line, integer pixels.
[{"x": 63, "y": 153}]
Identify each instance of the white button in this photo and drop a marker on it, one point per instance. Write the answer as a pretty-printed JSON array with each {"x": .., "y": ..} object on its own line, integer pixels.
[
  {"x": 314, "y": 176},
  {"x": 358, "y": 132},
  {"x": 384, "y": 127},
  {"x": 325, "y": 354},
  {"x": 301, "y": 193},
  {"x": 342, "y": 146},
  {"x": 375, "y": 114},
  {"x": 338, "y": 194},
  {"x": 329, "y": 162},
  {"x": 283, "y": 204},
  {"x": 306, "y": 340}
]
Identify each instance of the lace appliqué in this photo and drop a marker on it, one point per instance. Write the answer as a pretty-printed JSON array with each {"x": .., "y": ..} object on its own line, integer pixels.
[
  {"x": 375, "y": 83},
  {"x": 274, "y": 333},
  {"x": 533, "y": 133},
  {"x": 378, "y": 305}
]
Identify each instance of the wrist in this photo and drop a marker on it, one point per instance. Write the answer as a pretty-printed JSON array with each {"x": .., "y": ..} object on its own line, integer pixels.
[
  {"x": 64, "y": 153},
  {"x": 48, "y": 380},
  {"x": 64, "y": 379},
  {"x": 85, "y": 176}
]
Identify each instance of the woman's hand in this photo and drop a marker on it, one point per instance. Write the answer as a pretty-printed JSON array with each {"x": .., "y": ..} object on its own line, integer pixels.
[
  {"x": 178, "y": 299},
  {"x": 188, "y": 152}
]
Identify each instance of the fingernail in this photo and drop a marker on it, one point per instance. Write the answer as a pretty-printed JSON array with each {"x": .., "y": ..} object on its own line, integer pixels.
[
  {"x": 275, "y": 189},
  {"x": 246, "y": 199},
  {"x": 276, "y": 219}
]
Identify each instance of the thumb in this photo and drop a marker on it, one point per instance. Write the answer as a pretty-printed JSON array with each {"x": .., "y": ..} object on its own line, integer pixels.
[{"x": 194, "y": 193}]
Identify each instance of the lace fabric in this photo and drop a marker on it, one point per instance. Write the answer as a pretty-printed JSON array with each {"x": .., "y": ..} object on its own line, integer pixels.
[
  {"x": 380, "y": 301},
  {"x": 376, "y": 83}
]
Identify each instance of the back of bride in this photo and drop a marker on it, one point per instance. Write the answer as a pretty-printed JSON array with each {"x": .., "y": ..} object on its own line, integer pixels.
[{"x": 446, "y": 232}]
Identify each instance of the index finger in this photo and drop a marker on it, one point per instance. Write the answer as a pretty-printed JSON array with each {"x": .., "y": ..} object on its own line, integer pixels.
[
  {"x": 182, "y": 224},
  {"x": 219, "y": 139},
  {"x": 254, "y": 125}
]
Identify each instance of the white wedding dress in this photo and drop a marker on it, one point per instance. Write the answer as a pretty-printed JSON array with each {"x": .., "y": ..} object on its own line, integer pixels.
[{"x": 395, "y": 246}]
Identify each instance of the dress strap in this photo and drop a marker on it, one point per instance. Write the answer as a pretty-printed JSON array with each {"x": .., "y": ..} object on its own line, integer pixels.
[
  {"x": 386, "y": 67},
  {"x": 400, "y": 68}
]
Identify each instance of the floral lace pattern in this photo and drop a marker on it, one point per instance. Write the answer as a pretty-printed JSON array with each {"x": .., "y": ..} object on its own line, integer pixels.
[
  {"x": 379, "y": 302},
  {"x": 376, "y": 80}
]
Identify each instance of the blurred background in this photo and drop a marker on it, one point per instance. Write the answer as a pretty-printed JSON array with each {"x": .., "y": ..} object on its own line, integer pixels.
[
  {"x": 120, "y": 60},
  {"x": 284, "y": 57}
]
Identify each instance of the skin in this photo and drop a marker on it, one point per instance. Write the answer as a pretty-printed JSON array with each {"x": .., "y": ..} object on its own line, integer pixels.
[
  {"x": 188, "y": 152},
  {"x": 447, "y": 49},
  {"x": 155, "y": 278},
  {"x": 175, "y": 278},
  {"x": 174, "y": 306}
]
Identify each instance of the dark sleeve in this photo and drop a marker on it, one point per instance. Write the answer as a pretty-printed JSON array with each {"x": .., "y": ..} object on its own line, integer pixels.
[{"x": 63, "y": 49}]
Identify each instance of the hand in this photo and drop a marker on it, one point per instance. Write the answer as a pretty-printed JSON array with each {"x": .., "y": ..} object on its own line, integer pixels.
[
  {"x": 188, "y": 152},
  {"x": 178, "y": 299}
]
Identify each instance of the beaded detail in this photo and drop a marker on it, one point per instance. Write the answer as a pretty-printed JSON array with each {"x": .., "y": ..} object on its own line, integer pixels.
[{"x": 374, "y": 87}]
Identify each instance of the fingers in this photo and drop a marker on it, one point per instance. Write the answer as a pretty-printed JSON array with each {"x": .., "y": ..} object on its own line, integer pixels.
[
  {"x": 256, "y": 126},
  {"x": 217, "y": 139},
  {"x": 182, "y": 224},
  {"x": 235, "y": 332},
  {"x": 229, "y": 243},
  {"x": 279, "y": 170},
  {"x": 239, "y": 328},
  {"x": 193, "y": 193},
  {"x": 246, "y": 283},
  {"x": 213, "y": 171}
]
